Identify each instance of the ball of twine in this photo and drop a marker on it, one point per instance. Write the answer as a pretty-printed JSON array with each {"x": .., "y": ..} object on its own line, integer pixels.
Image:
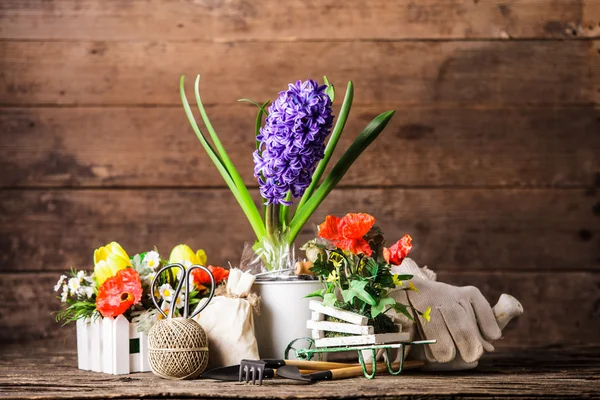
[{"x": 177, "y": 348}]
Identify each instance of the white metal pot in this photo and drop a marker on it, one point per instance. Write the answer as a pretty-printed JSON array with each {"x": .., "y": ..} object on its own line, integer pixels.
[{"x": 283, "y": 314}]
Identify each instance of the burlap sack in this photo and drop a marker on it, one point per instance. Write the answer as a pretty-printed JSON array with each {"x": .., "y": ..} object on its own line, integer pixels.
[{"x": 229, "y": 323}]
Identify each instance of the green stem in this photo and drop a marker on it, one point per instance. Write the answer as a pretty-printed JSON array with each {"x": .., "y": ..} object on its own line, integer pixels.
[
  {"x": 272, "y": 222},
  {"x": 284, "y": 212},
  {"x": 335, "y": 137}
]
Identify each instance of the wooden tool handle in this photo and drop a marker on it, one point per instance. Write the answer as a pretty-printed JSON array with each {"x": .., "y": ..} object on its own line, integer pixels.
[
  {"x": 318, "y": 365},
  {"x": 351, "y": 372}
]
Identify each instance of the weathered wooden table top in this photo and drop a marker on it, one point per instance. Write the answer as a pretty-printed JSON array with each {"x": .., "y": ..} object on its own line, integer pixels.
[{"x": 48, "y": 369}]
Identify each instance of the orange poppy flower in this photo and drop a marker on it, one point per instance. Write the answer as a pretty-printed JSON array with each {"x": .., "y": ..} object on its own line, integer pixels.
[
  {"x": 398, "y": 251},
  {"x": 201, "y": 278},
  {"x": 347, "y": 233},
  {"x": 119, "y": 292}
]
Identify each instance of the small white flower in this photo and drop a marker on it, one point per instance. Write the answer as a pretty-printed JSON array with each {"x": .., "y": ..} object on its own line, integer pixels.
[
  {"x": 59, "y": 283},
  {"x": 74, "y": 285},
  {"x": 166, "y": 307},
  {"x": 152, "y": 260},
  {"x": 65, "y": 294},
  {"x": 80, "y": 275},
  {"x": 149, "y": 278},
  {"x": 166, "y": 292},
  {"x": 86, "y": 291},
  {"x": 180, "y": 302}
]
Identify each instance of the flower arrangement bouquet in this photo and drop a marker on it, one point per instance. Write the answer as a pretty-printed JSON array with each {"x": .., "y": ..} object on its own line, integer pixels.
[
  {"x": 290, "y": 159},
  {"x": 350, "y": 259},
  {"x": 120, "y": 285}
]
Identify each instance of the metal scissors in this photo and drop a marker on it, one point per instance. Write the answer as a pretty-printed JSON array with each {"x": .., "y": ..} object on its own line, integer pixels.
[{"x": 184, "y": 284}]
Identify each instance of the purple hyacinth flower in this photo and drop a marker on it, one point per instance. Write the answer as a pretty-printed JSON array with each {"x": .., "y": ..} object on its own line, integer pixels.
[{"x": 292, "y": 142}]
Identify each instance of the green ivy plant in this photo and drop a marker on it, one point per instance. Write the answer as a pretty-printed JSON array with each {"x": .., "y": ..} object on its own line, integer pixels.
[{"x": 359, "y": 283}]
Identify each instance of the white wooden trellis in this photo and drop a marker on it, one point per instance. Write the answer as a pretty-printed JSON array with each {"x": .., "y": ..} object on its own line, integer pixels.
[
  {"x": 354, "y": 326},
  {"x": 112, "y": 346}
]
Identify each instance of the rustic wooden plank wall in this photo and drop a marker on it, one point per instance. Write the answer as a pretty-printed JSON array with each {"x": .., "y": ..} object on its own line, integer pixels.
[{"x": 491, "y": 163}]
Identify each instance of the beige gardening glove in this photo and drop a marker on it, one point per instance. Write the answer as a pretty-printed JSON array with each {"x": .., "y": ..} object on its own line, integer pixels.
[{"x": 462, "y": 320}]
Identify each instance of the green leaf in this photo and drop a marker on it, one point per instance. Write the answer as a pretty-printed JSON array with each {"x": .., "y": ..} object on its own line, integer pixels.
[
  {"x": 381, "y": 306},
  {"x": 364, "y": 139},
  {"x": 321, "y": 267},
  {"x": 401, "y": 308},
  {"x": 329, "y": 299},
  {"x": 330, "y": 89},
  {"x": 261, "y": 112},
  {"x": 372, "y": 266},
  {"x": 357, "y": 289},
  {"x": 261, "y": 107},
  {"x": 316, "y": 293},
  {"x": 333, "y": 140},
  {"x": 243, "y": 199},
  {"x": 248, "y": 203}
]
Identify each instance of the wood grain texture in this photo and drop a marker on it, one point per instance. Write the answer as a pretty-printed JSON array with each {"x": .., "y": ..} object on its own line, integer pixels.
[
  {"x": 453, "y": 229},
  {"x": 542, "y": 295},
  {"x": 483, "y": 74},
  {"x": 47, "y": 370},
  {"x": 66, "y": 147},
  {"x": 297, "y": 20}
]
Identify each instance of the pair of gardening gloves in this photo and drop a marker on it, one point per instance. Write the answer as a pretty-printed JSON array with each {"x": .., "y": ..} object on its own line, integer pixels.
[{"x": 462, "y": 320}]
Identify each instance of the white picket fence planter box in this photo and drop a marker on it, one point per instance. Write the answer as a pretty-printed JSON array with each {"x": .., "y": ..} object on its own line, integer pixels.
[{"x": 112, "y": 346}]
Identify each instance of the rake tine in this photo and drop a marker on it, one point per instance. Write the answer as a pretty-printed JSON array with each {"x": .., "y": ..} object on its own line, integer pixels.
[
  {"x": 260, "y": 376},
  {"x": 241, "y": 373}
]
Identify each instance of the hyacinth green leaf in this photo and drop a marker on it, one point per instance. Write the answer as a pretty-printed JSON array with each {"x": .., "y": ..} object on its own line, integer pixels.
[
  {"x": 333, "y": 140},
  {"x": 330, "y": 89},
  {"x": 261, "y": 107},
  {"x": 257, "y": 225},
  {"x": 381, "y": 306},
  {"x": 257, "y": 125},
  {"x": 247, "y": 204},
  {"x": 364, "y": 139}
]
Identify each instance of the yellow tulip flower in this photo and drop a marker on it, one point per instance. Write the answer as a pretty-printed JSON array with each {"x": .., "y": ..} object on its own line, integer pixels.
[
  {"x": 202, "y": 258},
  {"x": 108, "y": 260},
  {"x": 182, "y": 253}
]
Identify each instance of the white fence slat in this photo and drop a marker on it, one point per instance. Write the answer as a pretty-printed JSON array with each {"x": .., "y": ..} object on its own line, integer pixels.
[
  {"x": 135, "y": 364},
  {"x": 120, "y": 346},
  {"x": 379, "y": 338},
  {"x": 103, "y": 346},
  {"x": 83, "y": 355},
  {"x": 340, "y": 327},
  {"x": 144, "y": 353},
  {"x": 344, "y": 315},
  {"x": 107, "y": 343},
  {"x": 95, "y": 338}
]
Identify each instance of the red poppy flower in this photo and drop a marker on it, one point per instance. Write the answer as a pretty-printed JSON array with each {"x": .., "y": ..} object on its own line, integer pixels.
[
  {"x": 201, "y": 278},
  {"x": 347, "y": 233},
  {"x": 119, "y": 292},
  {"x": 398, "y": 251}
]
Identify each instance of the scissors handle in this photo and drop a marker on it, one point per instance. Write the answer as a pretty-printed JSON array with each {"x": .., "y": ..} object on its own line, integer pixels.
[{"x": 185, "y": 280}]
